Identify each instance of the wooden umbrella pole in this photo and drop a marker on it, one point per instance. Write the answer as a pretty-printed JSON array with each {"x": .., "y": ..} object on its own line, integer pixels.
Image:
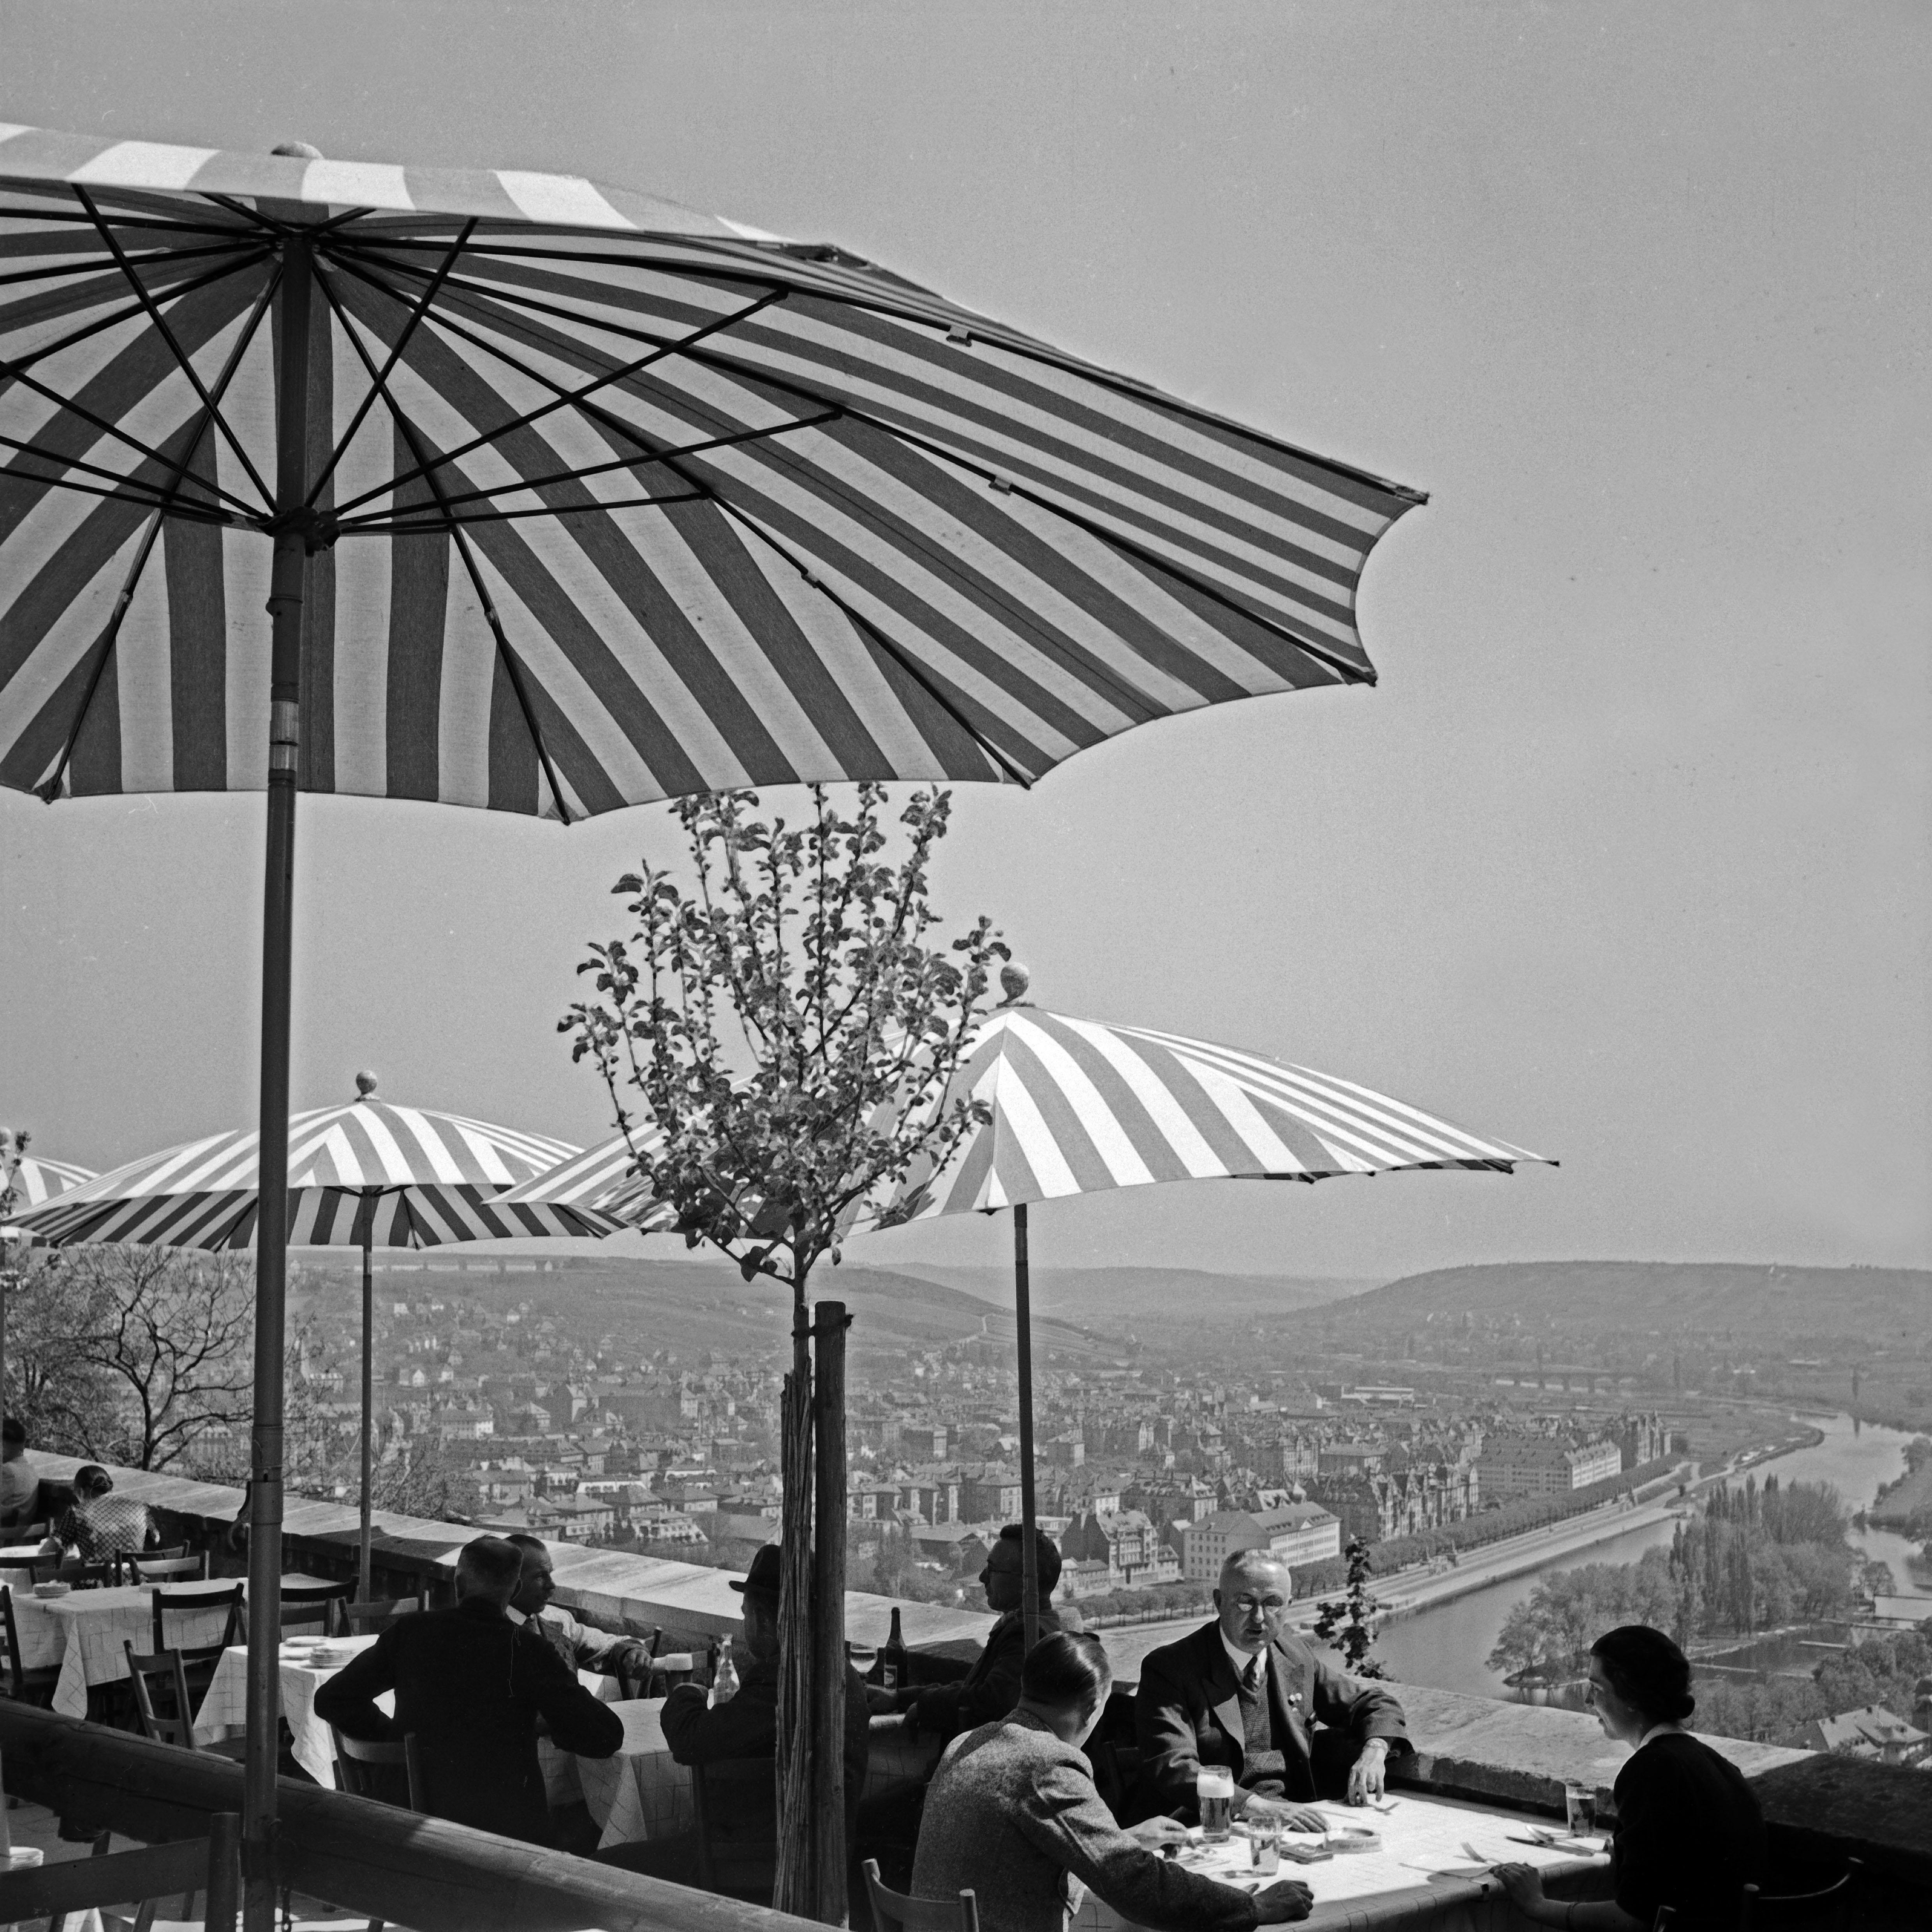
[
  {"x": 288, "y": 584},
  {"x": 828, "y": 1664},
  {"x": 368, "y": 1407},
  {"x": 1023, "y": 1318}
]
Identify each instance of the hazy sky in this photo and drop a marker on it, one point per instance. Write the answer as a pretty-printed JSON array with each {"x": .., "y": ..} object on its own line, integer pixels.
[{"x": 1627, "y": 858}]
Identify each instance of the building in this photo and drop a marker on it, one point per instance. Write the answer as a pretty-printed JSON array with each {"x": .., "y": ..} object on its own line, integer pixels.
[
  {"x": 1872, "y": 1732},
  {"x": 1541, "y": 1465},
  {"x": 1127, "y": 1543},
  {"x": 1294, "y": 1532},
  {"x": 1350, "y": 1459}
]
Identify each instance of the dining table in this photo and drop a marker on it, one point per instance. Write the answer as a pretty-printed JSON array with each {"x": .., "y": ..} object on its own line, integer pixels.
[{"x": 1415, "y": 1861}]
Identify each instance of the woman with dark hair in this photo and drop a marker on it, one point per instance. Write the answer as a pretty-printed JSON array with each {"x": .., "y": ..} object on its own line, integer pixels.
[
  {"x": 1689, "y": 1832},
  {"x": 1012, "y": 1813},
  {"x": 99, "y": 1525}
]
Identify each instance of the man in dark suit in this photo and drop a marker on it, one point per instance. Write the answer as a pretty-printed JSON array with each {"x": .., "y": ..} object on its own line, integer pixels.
[
  {"x": 701, "y": 1733},
  {"x": 472, "y": 1687},
  {"x": 1245, "y": 1692}
]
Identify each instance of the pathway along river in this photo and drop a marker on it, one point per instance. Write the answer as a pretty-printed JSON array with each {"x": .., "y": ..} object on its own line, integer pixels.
[{"x": 1446, "y": 1646}]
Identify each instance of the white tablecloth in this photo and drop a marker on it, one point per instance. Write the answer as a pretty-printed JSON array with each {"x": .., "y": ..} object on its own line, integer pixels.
[
  {"x": 1423, "y": 1874},
  {"x": 83, "y": 1632}
]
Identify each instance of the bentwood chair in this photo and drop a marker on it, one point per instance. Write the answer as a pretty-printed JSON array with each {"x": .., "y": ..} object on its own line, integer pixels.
[
  {"x": 199, "y": 1660},
  {"x": 893, "y": 1911},
  {"x": 164, "y": 1706},
  {"x": 1828, "y": 1908},
  {"x": 35, "y": 1686},
  {"x": 148, "y": 1874},
  {"x": 157, "y": 1566},
  {"x": 357, "y": 1760},
  {"x": 324, "y": 1605}
]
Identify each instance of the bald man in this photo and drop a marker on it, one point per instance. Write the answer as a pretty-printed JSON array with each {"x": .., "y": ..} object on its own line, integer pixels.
[{"x": 1245, "y": 1692}]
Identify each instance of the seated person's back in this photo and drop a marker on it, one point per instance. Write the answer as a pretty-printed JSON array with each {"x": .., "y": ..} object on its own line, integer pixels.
[{"x": 471, "y": 1685}]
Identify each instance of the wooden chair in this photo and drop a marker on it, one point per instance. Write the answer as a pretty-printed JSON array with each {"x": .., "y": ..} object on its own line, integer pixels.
[
  {"x": 894, "y": 1909},
  {"x": 325, "y": 1605},
  {"x": 174, "y": 1725},
  {"x": 87, "y": 1576},
  {"x": 372, "y": 1618},
  {"x": 357, "y": 1758},
  {"x": 156, "y": 1566},
  {"x": 1829, "y": 1908},
  {"x": 734, "y": 1801},
  {"x": 152, "y": 1873},
  {"x": 28, "y": 1686},
  {"x": 198, "y": 1660}
]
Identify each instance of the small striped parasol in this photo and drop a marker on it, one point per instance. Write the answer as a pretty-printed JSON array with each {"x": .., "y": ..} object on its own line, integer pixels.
[
  {"x": 1077, "y": 1107},
  {"x": 599, "y": 1188},
  {"x": 34, "y": 1181}
]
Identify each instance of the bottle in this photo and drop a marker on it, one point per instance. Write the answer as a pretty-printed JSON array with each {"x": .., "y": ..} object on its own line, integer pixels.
[
  {"x": 725, "y": 1677},
  {"x": 892, "y": 1658}
]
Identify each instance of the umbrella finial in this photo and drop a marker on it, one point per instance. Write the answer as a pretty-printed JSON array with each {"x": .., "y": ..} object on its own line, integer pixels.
[
  {"x": 1014, "y": 981},
  {"x": 299, "y": 151},
  {"x": 365, "y": 1085}
]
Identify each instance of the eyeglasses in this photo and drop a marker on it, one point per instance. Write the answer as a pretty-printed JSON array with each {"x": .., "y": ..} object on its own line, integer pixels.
[{"x": 1247, "y": 1606}]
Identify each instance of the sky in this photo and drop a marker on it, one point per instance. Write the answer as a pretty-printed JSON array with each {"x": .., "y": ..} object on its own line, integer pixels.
[{"x": 1627, "y": 859}]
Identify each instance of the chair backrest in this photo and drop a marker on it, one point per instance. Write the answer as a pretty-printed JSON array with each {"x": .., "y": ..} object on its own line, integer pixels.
[
  {"x": 162, "y": 1672},
  {"x": 356, "y": 1758},
  {"x": 179, "y": 1602},
  {"x": 891, "y": 1908},
  {"x": 1827, "y": 1908},
  {"x": 158, "y": 1564},
  {"x": 734, "y": 1803},
  {"x": 373, "y": 1615},
  {"x": 88, "y": 1576},
  {"x": 324, "y": 1604},
  {"x": 16, "y": 1683},
  {"x": 212, "y": 1864}
]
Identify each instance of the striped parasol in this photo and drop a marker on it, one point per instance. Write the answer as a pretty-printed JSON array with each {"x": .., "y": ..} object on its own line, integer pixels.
[
  {"x": 367, "y": 1174},
  {"x": 687, "y": 507},
  {"x": 1076, "y": 1107},
  {"x": 34, "y": 1181},
  {"x": 599, "y": 1189}
]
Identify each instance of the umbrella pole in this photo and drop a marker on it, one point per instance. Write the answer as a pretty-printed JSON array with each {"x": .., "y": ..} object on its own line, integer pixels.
[
  {"x": 368, "y": 1408},
  {"x": 287, "y": 584},
  {"x": 1023, "y": 1318}
]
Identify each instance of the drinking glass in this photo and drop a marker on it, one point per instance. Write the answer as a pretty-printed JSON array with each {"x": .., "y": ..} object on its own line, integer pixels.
[
  {"x": 1214, "y": 1789},
  {"x": 1580, "y": 1809}
]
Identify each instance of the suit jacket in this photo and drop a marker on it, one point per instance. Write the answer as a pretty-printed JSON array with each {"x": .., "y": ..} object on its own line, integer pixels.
[
  {"x": 471, "y": 1686},
  {"x": 748, "y": 1726},
  {"x": 991, "y": 1687},
  {"x": 1188, "y": 1713},
  {"x": 1013, "y": 1812}
]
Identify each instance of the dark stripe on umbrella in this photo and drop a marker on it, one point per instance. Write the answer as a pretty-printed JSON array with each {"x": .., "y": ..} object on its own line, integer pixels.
[
  {"x": 418, "y": 617},
  {"x": 197, "y": 607}
]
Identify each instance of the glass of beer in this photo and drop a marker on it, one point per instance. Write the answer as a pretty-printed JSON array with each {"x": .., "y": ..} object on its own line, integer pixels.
[{"x": 1214, "y": 1788}]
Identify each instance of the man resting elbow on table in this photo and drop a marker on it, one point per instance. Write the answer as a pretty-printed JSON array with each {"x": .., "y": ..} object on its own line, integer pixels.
[
  {"x": 1013, "y": 1815},
  {"x": 1244, "y": 1692},
  {"x": 472, "y": 1687}
]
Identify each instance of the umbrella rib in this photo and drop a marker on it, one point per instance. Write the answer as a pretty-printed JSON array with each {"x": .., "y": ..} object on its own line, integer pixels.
[
  {"x": 92, "y": 266},
  {"x": 562, "y": 399},
  {"x": 368, "y": 402},
  {"x": 168, "y": 336},
  {"x": 511, "y": 665},
  {"x": 405, "y": 522},
  {"x": 121, "y": 483},
  {"x": 111, "y": 632}
]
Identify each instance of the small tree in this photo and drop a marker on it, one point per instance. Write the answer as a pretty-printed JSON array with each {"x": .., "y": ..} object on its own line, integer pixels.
[
  {"x": 128, "y": 1354},
  {"x": 1350, "y": 1623},
  {"x": 777, "y": 1036}
]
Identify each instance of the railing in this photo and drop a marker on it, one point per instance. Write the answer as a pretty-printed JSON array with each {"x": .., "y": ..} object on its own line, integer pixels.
[{"x": 408, "y": 1870}]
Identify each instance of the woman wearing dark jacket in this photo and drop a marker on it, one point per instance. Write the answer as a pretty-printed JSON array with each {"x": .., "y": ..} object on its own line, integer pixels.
[
  {"x": 1689, "y": 1833},
  {"x": 1012, "y": 1813}
]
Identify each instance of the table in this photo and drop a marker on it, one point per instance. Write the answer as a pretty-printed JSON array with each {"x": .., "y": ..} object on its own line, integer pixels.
[
  {"x": 644, "y": 1792},
  {"x": 1421, "y": 1876},
  {"x": 83, "y": 1632}
]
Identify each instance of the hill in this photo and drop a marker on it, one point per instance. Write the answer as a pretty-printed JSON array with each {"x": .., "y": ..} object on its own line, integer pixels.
[
  {"x": 1873, "y": 1303},
  {"x": 1115, "y": 1299}
]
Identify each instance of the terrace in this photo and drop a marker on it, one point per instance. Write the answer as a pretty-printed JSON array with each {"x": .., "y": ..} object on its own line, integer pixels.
[{"x": 411, "y": 1871}]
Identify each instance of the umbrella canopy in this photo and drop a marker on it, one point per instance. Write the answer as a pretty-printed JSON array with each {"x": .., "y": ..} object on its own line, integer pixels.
[
  {"x": 34, "y": 1181},
  {"x": 688, "y": 507},
  {"x": 599, "y": 1191},
  {"x": 367, "y": 1174},
  {"x": 1076, "y": 1107}
]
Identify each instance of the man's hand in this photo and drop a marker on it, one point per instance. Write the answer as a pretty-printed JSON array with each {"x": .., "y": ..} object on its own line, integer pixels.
[
  {"x": 1279, "y": 1811},
  {"x": 1155, "y": 1832},
  {"x": 1283, "y": 1902},
  {"x": 1523, "y": 1883},
  {"x": 1365, "y": 1775},
  {"x": 880, "y": 1702}
]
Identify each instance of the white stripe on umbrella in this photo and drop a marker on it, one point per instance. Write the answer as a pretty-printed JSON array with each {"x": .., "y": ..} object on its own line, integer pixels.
[
  {"x": 600, "y": 1185},
  {"x": 36, "y": 1181}
]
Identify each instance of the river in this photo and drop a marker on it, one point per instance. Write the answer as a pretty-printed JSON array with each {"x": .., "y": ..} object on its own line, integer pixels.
[{"x": 1446, "y": 1646}]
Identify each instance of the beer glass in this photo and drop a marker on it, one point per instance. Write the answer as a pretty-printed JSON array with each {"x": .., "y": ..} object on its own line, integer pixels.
[{"x": 1214, "y": 1788}]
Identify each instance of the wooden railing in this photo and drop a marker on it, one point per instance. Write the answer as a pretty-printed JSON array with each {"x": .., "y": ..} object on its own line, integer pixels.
[{"x": 410, "y": 1871}]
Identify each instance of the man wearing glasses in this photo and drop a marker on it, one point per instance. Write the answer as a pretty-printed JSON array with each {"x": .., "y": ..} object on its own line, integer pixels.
[{"x": 1244, "y": 1692}]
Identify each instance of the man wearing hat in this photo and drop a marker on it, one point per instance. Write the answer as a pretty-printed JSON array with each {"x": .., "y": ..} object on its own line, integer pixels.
[{"x": 699, "y": 1732}]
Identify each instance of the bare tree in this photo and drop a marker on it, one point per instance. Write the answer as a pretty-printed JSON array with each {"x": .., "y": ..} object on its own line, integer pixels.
[{"x": 128, "y": 1354}]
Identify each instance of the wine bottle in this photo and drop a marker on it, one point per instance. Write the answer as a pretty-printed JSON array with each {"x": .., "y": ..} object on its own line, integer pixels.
[
  {"x": 892, "y": 1658},
  {"x": 725, "y": 1678}
]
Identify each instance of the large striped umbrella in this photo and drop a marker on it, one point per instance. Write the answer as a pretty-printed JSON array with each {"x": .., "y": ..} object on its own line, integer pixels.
[
  {"x": 369, "y": 1175},
  {"x": 563, "y": 498},
  {"x": 599, "y": 1191},
  {"x": 1076, "y": 1107}
]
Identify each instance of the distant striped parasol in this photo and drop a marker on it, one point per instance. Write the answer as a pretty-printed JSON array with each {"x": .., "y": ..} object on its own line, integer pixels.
[
  {"x": 600, "y": 1187},
  {"x": 35, "y": 1181},
  {"x": 1078, "y": 1107},
  {"x": 367, "y": 1174}
]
